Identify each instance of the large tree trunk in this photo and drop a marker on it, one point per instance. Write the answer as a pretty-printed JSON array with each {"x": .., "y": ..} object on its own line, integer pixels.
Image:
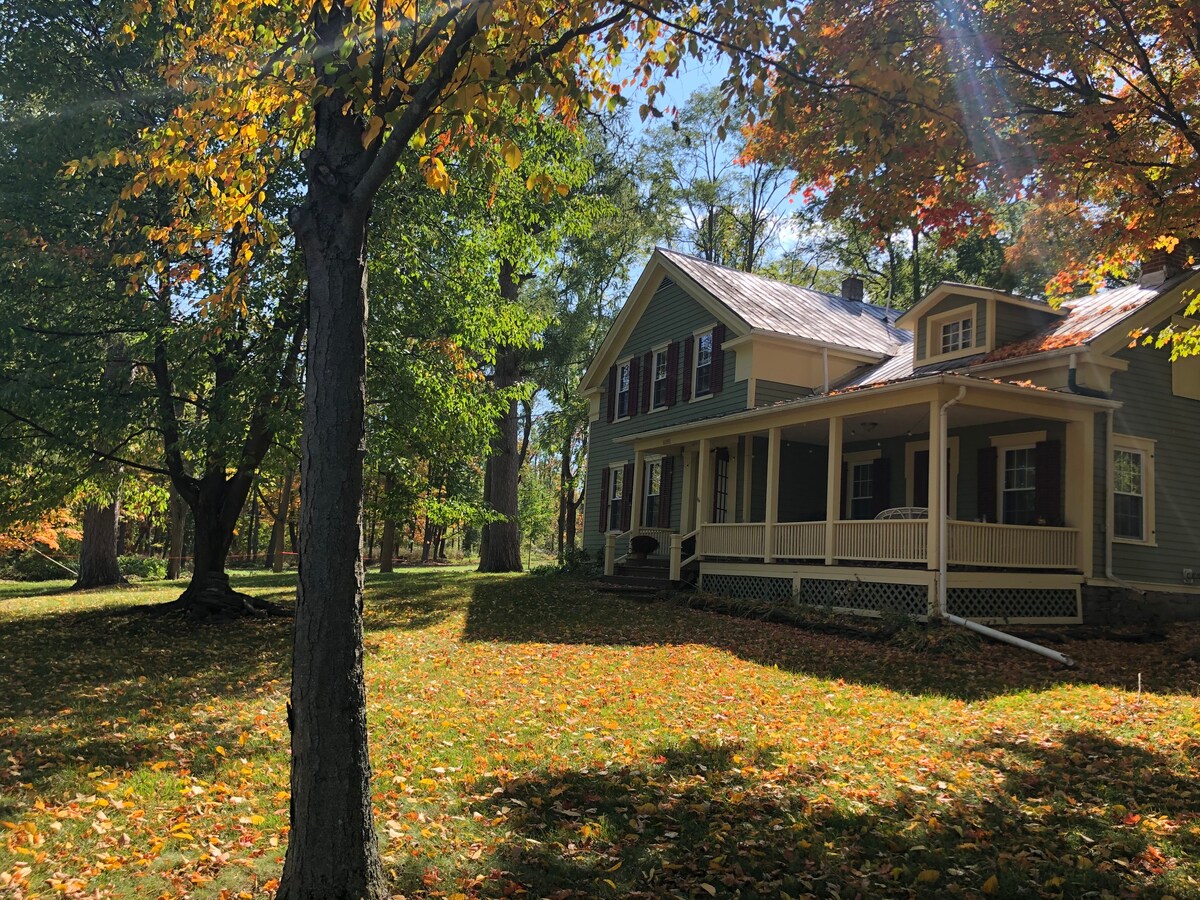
[
  {"x": 278, "y": 529},
  {"x": 387, "y": 546},
  {"x": 333, "y": 851},
  {"x": 500, "y": 545},
  {"x": 177, "y": 510},
  {"x": 98, "y": 563}
]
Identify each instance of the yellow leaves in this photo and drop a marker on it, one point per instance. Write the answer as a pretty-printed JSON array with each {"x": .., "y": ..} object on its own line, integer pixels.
[
  {"x": 512, "y": 155},
  {"x": 928, "y": 876},
  {"x": 373, "y": 130},
  {"x": 991, "y": 885},
  {"x": 436, "y": 175}
]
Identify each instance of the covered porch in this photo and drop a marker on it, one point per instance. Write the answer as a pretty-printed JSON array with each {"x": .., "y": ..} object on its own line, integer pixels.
[{"x": 943, "y": 472}]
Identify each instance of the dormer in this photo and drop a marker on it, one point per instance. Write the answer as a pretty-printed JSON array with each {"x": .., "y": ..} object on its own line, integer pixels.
[{"x": 958, "y": 321}]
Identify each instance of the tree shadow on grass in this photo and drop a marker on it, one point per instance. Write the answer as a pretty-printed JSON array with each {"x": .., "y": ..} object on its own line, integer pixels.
[
  {"x": 706, "y": 820},
  {"x": 560, "y": 610},
  {"x": 80, "y": 684}
]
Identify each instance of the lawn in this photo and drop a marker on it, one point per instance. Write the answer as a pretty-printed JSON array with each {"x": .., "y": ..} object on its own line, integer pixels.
[{"x": 533, "y": 737}]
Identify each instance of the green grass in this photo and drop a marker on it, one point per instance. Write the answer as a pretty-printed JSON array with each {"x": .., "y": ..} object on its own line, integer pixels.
[{"x": 531, "y": 735}]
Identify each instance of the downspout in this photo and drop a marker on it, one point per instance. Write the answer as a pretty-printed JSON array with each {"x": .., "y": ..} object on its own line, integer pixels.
[
  {"x": 944, "y": 551},
  {"x": 825, "y": 367}
]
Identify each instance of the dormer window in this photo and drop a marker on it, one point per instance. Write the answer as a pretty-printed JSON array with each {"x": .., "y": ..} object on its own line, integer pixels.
[{"x": 958, "y": 334}]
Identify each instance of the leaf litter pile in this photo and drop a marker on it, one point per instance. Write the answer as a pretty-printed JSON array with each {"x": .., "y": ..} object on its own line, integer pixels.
[{"x": 531, "y": 737}]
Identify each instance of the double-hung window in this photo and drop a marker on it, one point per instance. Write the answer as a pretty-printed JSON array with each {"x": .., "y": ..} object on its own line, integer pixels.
[
  {"x": 958, "y": 334},
  {"x": 616, "y": 496},
  {"x": 623, "y": 396},
  {"x": 704, "y": 352},
  {"x": 1019, "y": 485},
  {"x": 659, "y": 399},
  {"x": 862, "y": 490},
  {"x": 653, "y": 491},
  {"x": 1133, "y": 489}
]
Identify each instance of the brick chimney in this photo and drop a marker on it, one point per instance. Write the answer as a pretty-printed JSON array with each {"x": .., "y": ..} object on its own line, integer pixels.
[
  {"x": 1159, "y": 265},
  {"x": 852, "y": 288}
]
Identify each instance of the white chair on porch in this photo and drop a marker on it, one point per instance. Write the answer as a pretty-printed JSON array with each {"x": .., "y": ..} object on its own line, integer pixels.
[{"x": 904, "y": 512}]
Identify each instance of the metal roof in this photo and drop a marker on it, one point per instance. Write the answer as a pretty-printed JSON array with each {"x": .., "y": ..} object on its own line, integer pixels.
[{"x": 776, "y": 306}]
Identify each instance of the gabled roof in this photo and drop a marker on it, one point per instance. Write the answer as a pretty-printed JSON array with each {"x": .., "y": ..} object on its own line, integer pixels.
[
  {"x": 751, "y": 303},
  {"x": 765, "y": 304},
  {"x": 1107, "y": 316},
  {"x": 946, "y": 288}
]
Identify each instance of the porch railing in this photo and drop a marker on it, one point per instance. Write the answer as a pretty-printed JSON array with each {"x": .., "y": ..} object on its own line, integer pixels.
[
  {"x": 887, "y": 540},
  {"x": 1013, "y": 546},
  {"x": 982, "y": 544},
  {"x": 799, "y": 540},
  {"x": 741, "y": 539}
]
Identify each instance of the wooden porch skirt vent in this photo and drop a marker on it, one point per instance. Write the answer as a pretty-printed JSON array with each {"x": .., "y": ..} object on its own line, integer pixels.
[
  {"x": 749, "y": 587},
  {"x": 866, "y": 596},
  {"x": 1047, "y": 605}
]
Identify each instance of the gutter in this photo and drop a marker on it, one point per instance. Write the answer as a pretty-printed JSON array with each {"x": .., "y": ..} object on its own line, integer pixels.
[{"x": 944, "y": 549}]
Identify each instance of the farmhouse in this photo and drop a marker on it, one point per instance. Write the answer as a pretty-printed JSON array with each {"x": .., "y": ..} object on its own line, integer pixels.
[{"x": 1015, "y": 461}]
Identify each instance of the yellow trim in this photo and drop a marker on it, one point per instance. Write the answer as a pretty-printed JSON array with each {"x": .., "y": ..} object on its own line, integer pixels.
[{"x": 1146, "y": 447}]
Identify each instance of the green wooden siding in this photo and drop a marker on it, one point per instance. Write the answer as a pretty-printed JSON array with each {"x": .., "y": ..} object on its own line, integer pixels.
[
  {"x": 768, "y": 392},
  {"x": 1016, "y": 322},
  {"x": 671, "y": 315},
  {"x": 1151, "y": 411},
  {"x": 954, "y": 301}
]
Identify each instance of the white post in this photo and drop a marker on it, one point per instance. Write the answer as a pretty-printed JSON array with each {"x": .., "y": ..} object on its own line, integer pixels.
[
  {"x": 937, "y": 505},
  {"x": 1079, "y": 496},
  {"x": 703, "y": 487},
  {"x": 772, "y": 516},
  {"x": 639, "y": 492},
  {"x": 610, "y": 553},
  {"x": 833, "y": 485},
  {"x": 676, "y": 557},
  {"x": 687, "y": 511}
]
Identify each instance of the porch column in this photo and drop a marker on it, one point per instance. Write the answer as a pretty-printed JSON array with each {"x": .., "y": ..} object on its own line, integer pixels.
[
  {"x": 747, "y": 477},
  {"x": 687, "y": 504},
  {"x": 937, "y": 503},
  {"x": 833, "y": 485},
  {"x": 1079, "y": 497},
  {"x": 772, "y": 516},
  {"x": 703, "y": 486},
  {"x": 639, "y": 491}
]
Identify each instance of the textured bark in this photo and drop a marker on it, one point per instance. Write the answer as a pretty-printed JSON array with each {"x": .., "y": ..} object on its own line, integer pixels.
[
  {"x": 98, "y": 563},
  {"x": 333, "y": 851},
  {"x": 279, "y": 528},
  {"x": 500, "y": 545},
  {"x": 177, "y": 510},
  {"x": 387, "y": 546}
]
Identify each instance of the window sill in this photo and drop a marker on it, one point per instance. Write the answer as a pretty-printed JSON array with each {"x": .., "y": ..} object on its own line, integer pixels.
[
  {"x": 1135, "y": 542},
  {"x": 707, "y": 396}
]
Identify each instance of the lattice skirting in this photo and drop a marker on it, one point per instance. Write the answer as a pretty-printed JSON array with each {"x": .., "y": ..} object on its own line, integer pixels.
[
  {"x": 757, "y": 588},
  {"x": 1023, "y": 603},
  {"x": 865, "y": 596},
  {"x": 1003, "y": 598}
]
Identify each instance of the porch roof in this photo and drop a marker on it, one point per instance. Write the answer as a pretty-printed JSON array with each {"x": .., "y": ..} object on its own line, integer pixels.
[{"x": 891, "y": 394}]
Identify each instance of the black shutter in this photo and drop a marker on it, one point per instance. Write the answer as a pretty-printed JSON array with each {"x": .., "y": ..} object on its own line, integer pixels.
[
  {"x": 672, "y": 372},
  {"x": 689, "y": 363},
  {"x": 985, "y": 485},
  {"x": 1048, "y": 486},
  {"x": 666, "y": 484},
  {"x": 921, "y": 478},
  {"x": 648, "y": 374},
  {"x": 718, "y": 360},
  {"x": 612, "y": 393},
  {"x": 634, "y": 385},
  {"x": 627, "y": 489},
  {"x": 604, "y": 500},
  {"x": 881, "y": 484}
]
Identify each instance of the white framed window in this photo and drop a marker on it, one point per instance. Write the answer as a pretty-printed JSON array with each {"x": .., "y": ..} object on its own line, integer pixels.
[
  {"x": 952, "y": 333},
  {"x": 702, "y": 376},
  {"x": 616, "y": 497},
  {"x": 1018, "y": 485},
  {"x": 623, "y": 395},
  {"x": 658, "y": 394},
  {"x": 860, "y": 483},
  {"x": 1133, "y": 489},
  {"x": 653, "y": 492}
]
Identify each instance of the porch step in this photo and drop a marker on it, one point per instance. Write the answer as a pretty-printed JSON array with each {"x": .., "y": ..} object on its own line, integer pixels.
[
  {"x": 647, "y": 582},
  {"x": 642, "y": 571}
]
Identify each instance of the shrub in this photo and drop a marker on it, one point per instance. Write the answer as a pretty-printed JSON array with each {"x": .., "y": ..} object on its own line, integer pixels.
[
  {"x": 643, "y": 543},
  {"x": 148, "y": 568},
  {"x": 30, "y": 566}
]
